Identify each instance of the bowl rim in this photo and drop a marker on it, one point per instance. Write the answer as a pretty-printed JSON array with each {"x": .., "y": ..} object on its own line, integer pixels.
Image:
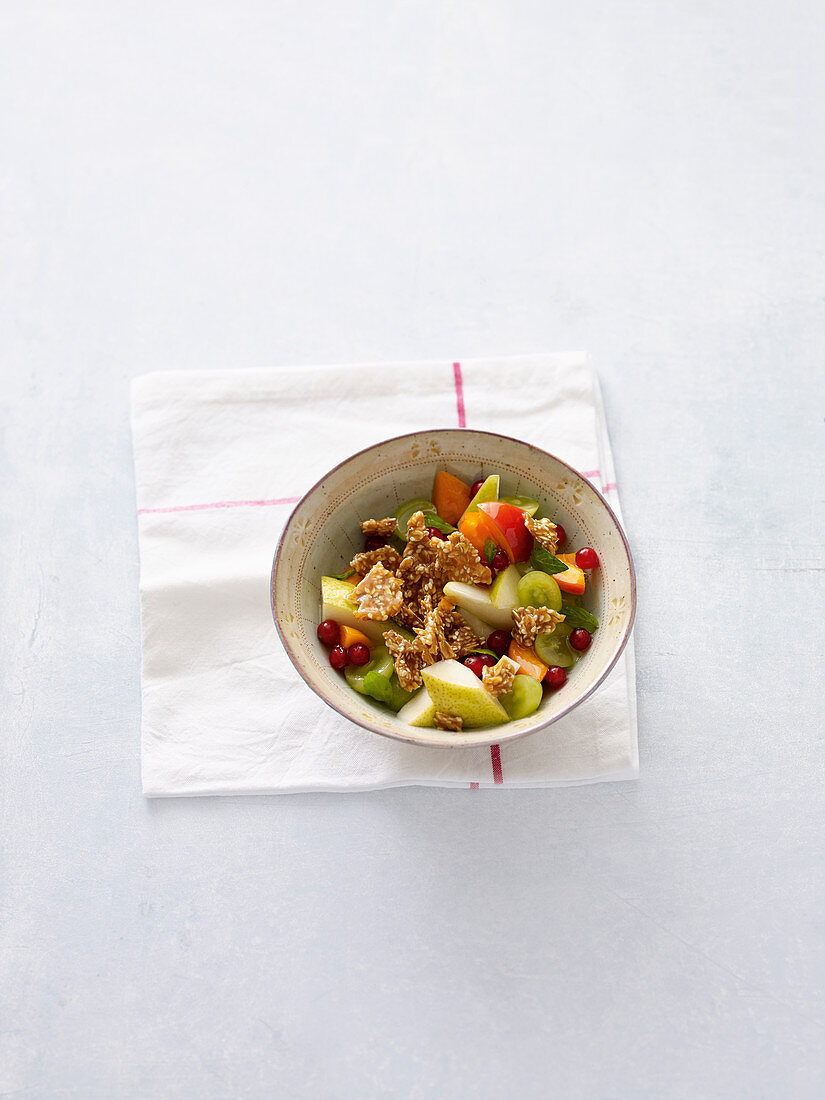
[{"x": 501, "y": 738}]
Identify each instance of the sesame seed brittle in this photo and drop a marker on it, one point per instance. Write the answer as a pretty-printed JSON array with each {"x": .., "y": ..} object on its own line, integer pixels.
[
  {"x": 529, "y": 622},
  {"x": 432, "y": 635},
  {"x": 544, "y": 532},
  {"x": 450, "y": 722},
  {"x": 463, "y": 640},
  {"x": 408, "y": 658},
  {"x": 461, "y": 561},
  {"x": 409, "y": 588},
  {"x": 387, "y": 555},
  {"x": 379, "y": 595},
  {"x": 499, "y": 678},
  {"x": 384, "y": 527}
]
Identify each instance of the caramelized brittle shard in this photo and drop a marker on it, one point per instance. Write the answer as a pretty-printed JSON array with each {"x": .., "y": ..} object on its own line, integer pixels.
[
  {"x": 408, "y": 660},
  {"x": 384, "y": 527},
  {"x": 432, "y": 636},
  {"x": 463, "y": 640},
  {"x": 452, "y": 722},
  {"x": 544, "y": 532},
  {"x": 461, "y": 561},
  {"x": 387, "y": 555},
  {"x": 379, "y": 595},
  {"x": 499, "y": 678},
  {"x": 529, "y": 622}
]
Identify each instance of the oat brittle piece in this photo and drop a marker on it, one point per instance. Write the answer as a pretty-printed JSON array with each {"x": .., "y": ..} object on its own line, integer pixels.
[
  {"x": 383, "y": 527},
  {"x": 387, "y": 555},
  {"x": 499, "y": 678},
  {"x": 450, "y": 722},
  {"x": 408, "y": 660},
  {"x": 421, "y": 570},
  {"x": 463, "y": 640},
  {"x": 408, "y": 616},
  {"x": 529, "y": 622},
  {"x": 544, "y": 532},
  {"x": 423, "y": 548},
  {"x": 432, "y": 636},
  {"x": 379, "y": 595},
  {"x": 461, "y": 561}
]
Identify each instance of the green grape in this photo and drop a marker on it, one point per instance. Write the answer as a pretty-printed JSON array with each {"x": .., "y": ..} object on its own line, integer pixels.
[
  {"x": 524, "y": 697},
  {"x": 554, "y": 649},
  {"x": 404, "y": 513},
  {"x": 386, "y": 690},
  {"x": 537, "y": 589},
  {"x": 380, "y": 661}
]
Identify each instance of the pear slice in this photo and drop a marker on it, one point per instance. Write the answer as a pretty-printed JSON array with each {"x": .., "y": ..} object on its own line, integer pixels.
[
  {"x": 454, "y": 689},
  {"x": 480, "y": 629},
  {"x": 504, "y": 589},
  {"x": 485, "y": 495},
  {"x": 336, "y": 604},
  {"x": 476, "y": 600},
  {"x": 420, "y": 711}
]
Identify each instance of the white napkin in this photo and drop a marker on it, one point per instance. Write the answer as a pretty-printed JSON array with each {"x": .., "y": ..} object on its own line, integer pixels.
[{"x": 220, "y": 459}]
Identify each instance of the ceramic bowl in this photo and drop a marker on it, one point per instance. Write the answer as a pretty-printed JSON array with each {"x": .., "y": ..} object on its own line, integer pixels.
[{"x": 322, "y": 534}]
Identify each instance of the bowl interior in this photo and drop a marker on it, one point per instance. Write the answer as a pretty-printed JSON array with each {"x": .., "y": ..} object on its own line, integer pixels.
[{"x": 323, "y": 534}]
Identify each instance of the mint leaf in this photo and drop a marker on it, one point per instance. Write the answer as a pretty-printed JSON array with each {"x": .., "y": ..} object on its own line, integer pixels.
[
  {"x": 490, "y": 551},
  {"x": 542, "y": 559},
  {"x": 432, "y": 519},
  {"x": 577, "y": 617},
  {"x": 343, "y": 576},
  {"x": 487, "y": 652}
]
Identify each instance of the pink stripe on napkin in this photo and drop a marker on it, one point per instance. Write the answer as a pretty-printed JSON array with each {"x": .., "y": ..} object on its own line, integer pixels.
[{"x": 220, "y": 504}]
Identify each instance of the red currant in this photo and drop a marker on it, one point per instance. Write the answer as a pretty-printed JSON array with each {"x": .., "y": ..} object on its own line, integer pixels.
[
  {"x": 374, "y": 542},
  {"x": 434, "y": 533},
  {"x": 338, "y": 657},
  {"x": 500, "y": 561},
  {"x": 587, "y": 558},
  {"x": 329, "y": 632},
  {"x": 359, "y": 654},
  {"x": 561, "y": 535},
  {"x": 474, "y": 488},
  {"x": 475, "y": 663},
  {"x": 580, "y": 638},
  {"x": 499, "y": 642},
  {"x": 556, "y": 677}
]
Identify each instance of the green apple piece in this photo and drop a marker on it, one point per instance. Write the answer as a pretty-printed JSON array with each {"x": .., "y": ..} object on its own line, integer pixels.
[
  {"x": 504, "y": 589},
  {"x": 336, "y": 604},
  {"x": 454, "y": 689},
  {"x": 523, "y": 698},
  {"x": 487, "y": 493},
  {"x": 476, "y": 600},
  {"x": 527, "y": 504},
  {"x": 420, "y": 711}
]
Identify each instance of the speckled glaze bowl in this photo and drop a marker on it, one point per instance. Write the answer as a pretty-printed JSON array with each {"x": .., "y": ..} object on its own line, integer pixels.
[{"x": 322, "y": 534}]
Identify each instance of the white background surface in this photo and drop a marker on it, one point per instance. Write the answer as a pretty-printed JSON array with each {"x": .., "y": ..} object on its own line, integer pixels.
[{"x": 212, "y": 185}]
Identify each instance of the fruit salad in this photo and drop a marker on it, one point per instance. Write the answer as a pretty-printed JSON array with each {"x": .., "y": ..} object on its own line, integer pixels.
[{"x": 462, "y": 610}]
